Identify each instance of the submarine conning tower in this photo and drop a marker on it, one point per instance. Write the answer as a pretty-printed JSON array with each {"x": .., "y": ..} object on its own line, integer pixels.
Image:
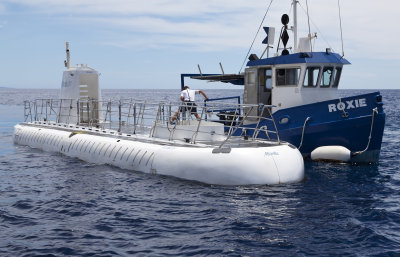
[{"x": 80, "y": 94}]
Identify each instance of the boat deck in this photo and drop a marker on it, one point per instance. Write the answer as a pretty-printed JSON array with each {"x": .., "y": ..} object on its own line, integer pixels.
[{"x": 234, "y": 142}]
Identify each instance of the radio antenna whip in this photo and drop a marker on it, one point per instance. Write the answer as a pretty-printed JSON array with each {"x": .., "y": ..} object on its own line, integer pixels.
[
  {"x": 67, "y": 61},
  {"x": 309, "y": 29},
  {"x": 341, "y": 30}
]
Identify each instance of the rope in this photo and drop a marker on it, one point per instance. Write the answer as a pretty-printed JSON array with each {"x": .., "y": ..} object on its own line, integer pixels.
[
  {"x": 375, "y": 110},
  {"x": 302, "y": 134},
  {"x": 341, "y": 30},
  {"x": 251, "y": 46},
  {"x": 279, "y": 41},
  {"x": 319, "y": 31}
]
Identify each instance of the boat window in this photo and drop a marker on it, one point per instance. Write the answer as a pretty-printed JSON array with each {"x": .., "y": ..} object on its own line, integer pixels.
[
  {"x": 268, "y": 78},
  {"x": 311, "y": 77},
  {"x": 287, "y": 77},
  {"x": 336, "y": 76},
  {"x": 326, "y": 77},
  {"x": 251, "y": 77}
]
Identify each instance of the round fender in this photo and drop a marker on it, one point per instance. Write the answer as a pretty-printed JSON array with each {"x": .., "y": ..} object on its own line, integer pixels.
[{"x": 331, "y": 153}]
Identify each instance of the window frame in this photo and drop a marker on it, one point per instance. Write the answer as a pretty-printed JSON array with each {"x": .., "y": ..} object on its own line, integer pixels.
[
  {"x": 268, "y": 78},
  {"x": 321, "y": 85},
  {"x": 307, "y": 68},
  {"x": 251, "y": 77},
  {"x": 298, "y": 68},
  {"x": 335, "y": 83}
]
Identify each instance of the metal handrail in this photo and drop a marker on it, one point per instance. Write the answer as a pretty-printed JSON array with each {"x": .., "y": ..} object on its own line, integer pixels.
[
  {"x": 124, "y": 116},
  {"x": 229, "y": 135},
  {"x": 194, "y": 137}
]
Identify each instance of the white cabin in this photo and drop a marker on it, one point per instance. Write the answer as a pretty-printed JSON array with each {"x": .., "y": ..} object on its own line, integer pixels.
[
  {"x": 80, "y": 83},
  {"x": 293, "y": 80}
]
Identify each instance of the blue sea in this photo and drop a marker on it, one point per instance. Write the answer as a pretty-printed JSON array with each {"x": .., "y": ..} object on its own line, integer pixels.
[{"x": 53, "y": 205}]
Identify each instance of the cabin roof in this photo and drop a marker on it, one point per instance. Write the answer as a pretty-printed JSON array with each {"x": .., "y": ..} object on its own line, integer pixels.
[{"x": 315, "y": 57}]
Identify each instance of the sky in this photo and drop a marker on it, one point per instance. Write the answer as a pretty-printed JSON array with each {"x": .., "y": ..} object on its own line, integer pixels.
[{"x": 148, "y": 44}]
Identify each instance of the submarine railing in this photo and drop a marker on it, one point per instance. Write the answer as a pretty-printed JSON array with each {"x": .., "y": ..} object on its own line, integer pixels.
[{"x": 139, "y": 116}]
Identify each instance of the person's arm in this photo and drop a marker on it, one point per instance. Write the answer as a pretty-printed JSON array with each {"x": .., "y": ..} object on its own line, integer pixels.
[
  {"x": 182, "y": 98},
  {"x": 205, "y": 96}
]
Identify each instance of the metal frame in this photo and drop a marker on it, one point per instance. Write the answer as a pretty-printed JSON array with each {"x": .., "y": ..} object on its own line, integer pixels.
[{"x": 119, "y": 114}]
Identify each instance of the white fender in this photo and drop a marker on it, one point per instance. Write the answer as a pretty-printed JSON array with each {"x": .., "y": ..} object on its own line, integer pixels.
[{"x": 331, "y": 153}]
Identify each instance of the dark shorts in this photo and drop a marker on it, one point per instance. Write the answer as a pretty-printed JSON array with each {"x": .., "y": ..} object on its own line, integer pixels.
[{"x": 188, "y": 106}]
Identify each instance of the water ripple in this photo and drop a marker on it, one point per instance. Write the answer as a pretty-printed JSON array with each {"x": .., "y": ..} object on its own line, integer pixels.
[{"x": 52, "y": 205}]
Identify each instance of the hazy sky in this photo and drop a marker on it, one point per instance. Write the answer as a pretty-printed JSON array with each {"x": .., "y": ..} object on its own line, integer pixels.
[{"x": 147, "y": 44}]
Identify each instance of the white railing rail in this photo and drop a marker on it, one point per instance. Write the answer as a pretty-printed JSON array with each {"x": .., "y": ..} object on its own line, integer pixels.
[{"x": 141, "y": 117}]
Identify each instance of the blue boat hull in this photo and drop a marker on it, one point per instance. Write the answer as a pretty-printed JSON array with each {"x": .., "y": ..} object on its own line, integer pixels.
[{"x": 346, "y": 122}]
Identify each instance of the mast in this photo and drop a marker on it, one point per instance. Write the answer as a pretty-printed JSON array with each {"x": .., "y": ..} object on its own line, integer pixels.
[
  {"x": 67, "y": 62},
  {"x": 295, "y": 25}
]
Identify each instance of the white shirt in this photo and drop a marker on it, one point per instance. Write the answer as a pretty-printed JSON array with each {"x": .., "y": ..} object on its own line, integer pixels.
[{"x": 189, "y": 95}]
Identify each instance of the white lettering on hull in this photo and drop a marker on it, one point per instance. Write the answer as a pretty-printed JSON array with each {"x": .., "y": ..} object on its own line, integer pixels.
[{"x": 351, "y": 104}]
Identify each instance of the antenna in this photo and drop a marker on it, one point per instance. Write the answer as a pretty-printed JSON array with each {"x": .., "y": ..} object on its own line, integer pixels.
[
  {"x": 309, "y": 29},
  {"x": 222, "y": 69},
  {"x": 341, "y": 30},
  {"x": 295, "y": 24},
  {"x": 198, "y": 66},
  {"x": 67, "y": 62}
]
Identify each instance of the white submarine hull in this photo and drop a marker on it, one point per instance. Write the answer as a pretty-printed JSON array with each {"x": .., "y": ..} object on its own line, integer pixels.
[{"x": 263, "y": 164}]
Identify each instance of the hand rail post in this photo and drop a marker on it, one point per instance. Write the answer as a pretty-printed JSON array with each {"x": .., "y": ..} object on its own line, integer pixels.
[
  {"x": 25, "y": 116},
  {"x": 59, "y": 112},
  {"x": 233, "y": 119},
  {"x": 256, "y": 129},
  {"x": 134, "y": 118},
  {"x": 69, "y": 111},
  {"x": 35, "y": 108},
  {"x": 237, "y": 127},
  {"x": 198, "y": 127},
  {"x": 158, "y": 118},
  {"x": 46, "y": 101},
  {"x": 276, "y": 129},
  {"x": 119, "y": 116},
  {"x": 110, "y": 112},
  {"x": 77, "y": 113},
  {"x": 142, "y": 118}
]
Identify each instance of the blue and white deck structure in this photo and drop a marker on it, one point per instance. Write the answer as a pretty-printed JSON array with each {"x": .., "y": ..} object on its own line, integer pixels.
[{"x": 302, "y": 87}]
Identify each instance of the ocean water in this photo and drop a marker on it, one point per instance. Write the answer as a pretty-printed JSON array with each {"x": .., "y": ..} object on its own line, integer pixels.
[{"x": 52, "y": 205}]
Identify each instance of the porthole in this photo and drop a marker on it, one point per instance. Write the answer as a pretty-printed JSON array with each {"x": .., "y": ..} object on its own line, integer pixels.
[{"x": 284, "y": 120}]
